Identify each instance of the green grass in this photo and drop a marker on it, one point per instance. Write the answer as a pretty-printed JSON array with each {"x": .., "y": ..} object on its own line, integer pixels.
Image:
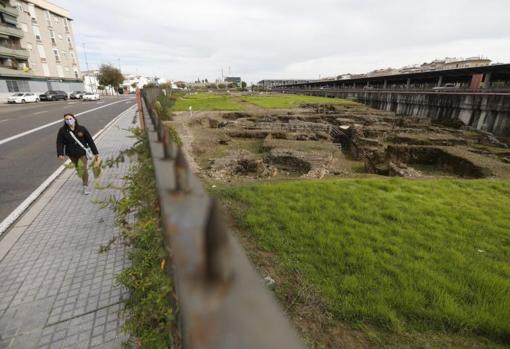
[
  {"x": 402, "y": 255},
  {"x": 292, "y": 101},
  {"x": 218, "y": 102},
  {"x": 207, "y": 101}
]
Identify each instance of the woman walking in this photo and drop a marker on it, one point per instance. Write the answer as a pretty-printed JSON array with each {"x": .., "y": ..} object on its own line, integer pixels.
[{"x": 75, "y": 141}]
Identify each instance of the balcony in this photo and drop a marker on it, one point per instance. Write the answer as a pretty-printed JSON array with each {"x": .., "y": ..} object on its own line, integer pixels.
[
  {"x": 12, "y": 11},
  {"x": 14, "y": 52},
  {"x": 11, "y": 31}
]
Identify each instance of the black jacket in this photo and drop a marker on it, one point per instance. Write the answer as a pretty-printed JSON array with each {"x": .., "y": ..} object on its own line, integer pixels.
[{"x": 66, "y": 145}]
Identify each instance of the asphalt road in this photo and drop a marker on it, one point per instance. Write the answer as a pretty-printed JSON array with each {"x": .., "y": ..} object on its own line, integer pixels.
[{"x": 27, "y": 161}]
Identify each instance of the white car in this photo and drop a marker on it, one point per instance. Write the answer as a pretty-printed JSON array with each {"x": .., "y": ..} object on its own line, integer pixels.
[
  {"x": 23, "y": 97},
  {"x": 89, "y": 96}
]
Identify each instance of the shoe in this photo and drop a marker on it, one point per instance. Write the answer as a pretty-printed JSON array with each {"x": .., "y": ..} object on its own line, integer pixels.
[{"x": 86, "y": 190}]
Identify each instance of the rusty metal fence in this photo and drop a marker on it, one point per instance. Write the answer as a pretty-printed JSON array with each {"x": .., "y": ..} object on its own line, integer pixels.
[{"x": 221, "y": 301}]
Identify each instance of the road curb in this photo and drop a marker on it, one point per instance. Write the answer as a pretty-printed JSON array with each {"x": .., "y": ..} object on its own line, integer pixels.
[{"x": 6, "y": 241}]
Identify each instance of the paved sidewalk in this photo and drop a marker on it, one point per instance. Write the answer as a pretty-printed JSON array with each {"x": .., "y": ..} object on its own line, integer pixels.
[{"x": 56, "y": 289}]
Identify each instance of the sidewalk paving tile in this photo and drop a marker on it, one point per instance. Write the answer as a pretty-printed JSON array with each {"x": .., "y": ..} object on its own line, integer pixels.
[{"x": 56, "y": 289}]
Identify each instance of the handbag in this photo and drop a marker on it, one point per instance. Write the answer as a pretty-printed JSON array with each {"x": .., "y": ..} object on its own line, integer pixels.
[
  {"x": 88, "y": 152},
  {"x": 97, "y": 165}
]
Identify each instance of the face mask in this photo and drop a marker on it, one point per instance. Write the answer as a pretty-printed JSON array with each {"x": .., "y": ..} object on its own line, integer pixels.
[{"x": 70, "y": 122}]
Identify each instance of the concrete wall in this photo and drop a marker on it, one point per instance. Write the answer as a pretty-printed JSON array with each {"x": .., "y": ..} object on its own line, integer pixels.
[
  {"x": 488, "y": 112},
  {"x": 66, "y": 86},
  {"x": 38, "y": 86}
]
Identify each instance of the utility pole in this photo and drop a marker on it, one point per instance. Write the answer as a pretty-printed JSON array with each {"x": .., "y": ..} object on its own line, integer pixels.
[
  {"x": 86, "y": 59},
  {"x": 87, "y": 65}
]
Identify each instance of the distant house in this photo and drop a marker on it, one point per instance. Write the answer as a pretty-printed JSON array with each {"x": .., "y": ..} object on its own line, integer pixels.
[
  {"x": 132, "y": 82},
  {"x": 270, "y": 83},
  {"x": 454, "y": 63},
  {"x": 383, "y": 72},
  {"x": 233, "y": 80},
  {"x": 90, "y": 81}
]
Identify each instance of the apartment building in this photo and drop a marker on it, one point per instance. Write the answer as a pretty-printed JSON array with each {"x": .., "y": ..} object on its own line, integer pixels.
[{"x": 37, "y": 48}]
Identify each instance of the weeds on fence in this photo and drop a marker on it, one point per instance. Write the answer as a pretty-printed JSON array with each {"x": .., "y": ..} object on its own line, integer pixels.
[{"x": 149, "y": 310}]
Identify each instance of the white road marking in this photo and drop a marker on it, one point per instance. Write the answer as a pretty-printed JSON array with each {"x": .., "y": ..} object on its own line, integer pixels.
[
  {"x": 70, "y": 103},
  {"x": 4, "y": 120},
  {"x": 19, "y": 135},
  {"x": 40, "y": 112},
  {"x": 11, "y": 218}
]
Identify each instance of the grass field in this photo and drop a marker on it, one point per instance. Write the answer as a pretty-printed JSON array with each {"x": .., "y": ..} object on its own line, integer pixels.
[
  {"x": 401, "y": 255},
  {"x": 207, "y": 101},
  {"x": 217, "y": 102},
  {"x": 292, "y": 101}
]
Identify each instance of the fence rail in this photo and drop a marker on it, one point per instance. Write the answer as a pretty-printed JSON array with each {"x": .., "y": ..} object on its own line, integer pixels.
[
  {"x": 222, "y": 301},
  {"x": 403, "y": 90}
]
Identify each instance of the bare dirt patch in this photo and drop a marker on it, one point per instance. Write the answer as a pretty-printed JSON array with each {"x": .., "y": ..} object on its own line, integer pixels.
[{"x": 318, "y": 141}]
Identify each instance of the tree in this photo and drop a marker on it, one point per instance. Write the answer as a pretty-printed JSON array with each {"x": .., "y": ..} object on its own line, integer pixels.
[
  {"x": 180, "y": 84},
  {"x": 110, "y": 76},
  {"x": 243, "y": 85},
  {"x": 134, "y": 85}
]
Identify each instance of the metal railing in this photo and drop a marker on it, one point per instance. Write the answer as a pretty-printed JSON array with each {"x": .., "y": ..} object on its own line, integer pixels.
[
  {"x": 15, "y": 52},
  {"x": 222, "y": 302},
  {"x": 402, "y": 90},
  {"x": 11, "y": 31}
]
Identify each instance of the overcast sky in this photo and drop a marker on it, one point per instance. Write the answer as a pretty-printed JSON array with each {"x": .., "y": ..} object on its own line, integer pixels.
[{"x": 261, "y": 39}]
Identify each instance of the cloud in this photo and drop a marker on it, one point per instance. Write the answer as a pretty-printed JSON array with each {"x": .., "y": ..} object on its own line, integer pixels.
[{"x": 283, "y": 38}]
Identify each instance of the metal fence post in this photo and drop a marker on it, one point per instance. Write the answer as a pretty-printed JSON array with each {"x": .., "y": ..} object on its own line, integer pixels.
[{"x": 222, "y": 302}]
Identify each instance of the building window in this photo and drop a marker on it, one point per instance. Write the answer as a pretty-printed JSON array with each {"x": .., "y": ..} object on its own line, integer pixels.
[
  {"x": 56, "y": 54},
  {"x": 66, "y": 25},
  {"x": 17, "y": 86},
  {"x": 31, "y": 11},
  {"x": 55, "y": 19},
  {"x": 37, "y": 33},
  {"x": 46, "y": 69},
  {"x": 42, "y": 53},
  {"x": 70, "y": 42},
  {"x": 73, "y": 58},
  {"x": 52, "y": 37},
  {"x": 47, "y": 17}
]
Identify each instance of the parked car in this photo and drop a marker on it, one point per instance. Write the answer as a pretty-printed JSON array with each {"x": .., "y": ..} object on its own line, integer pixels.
[
  {"x": 53, "y": 96},
  {"x": 23, "y": 97},
  {"x": 76, "y": 94},
  {"x": 447, "y": 86},
  {"x": 89, "y": 96}
]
